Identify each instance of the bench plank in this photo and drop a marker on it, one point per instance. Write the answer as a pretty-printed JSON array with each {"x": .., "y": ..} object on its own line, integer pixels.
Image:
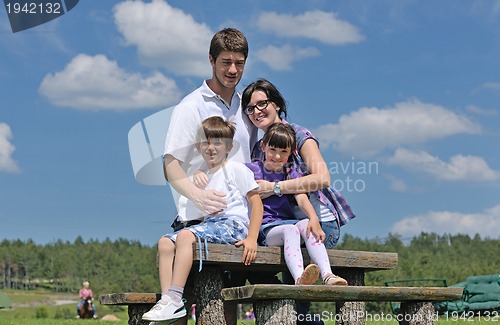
[
  {"x": 272, "y": 258},
  {"x": 129, "y": 298},
  {"x": 339, "y": 293}
]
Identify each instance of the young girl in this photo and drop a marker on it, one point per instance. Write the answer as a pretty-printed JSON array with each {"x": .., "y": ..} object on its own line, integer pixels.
[
  {"x": 279, "y": 225},
  {"x": 232, "y": 226}
]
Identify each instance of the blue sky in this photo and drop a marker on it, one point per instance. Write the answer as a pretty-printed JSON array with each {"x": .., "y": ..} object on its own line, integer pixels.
[{"x": 404, "y": 96}]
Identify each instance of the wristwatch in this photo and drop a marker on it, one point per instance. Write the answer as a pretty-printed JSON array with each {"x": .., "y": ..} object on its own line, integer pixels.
[{"x": 277, "y": 189}]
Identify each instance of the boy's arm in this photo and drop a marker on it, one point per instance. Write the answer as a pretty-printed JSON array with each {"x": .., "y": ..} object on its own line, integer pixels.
[
  {"x": 208, "y": 201},
  {"x": 313, "y": 224},
  {"x": 200, "y": 179},
  {"x": 250, "y": 243}
]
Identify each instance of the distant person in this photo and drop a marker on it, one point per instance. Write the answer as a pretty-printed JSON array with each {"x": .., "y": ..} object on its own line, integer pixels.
[
  {"x": 279, "y": 225},
  {"x": 193, "y": 312},
  {"x": 250, "y": 314},
  {"x": 232, "y": 226},
  {"x": 84, "y": 294}
]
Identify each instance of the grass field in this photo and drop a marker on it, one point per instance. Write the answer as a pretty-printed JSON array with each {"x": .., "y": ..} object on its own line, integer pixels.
[{"x": 39, "y": 308}]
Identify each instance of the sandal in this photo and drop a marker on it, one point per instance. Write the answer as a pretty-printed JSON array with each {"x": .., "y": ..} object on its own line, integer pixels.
[
  {"x": 334, "y": 280},
  {"x": 309, "y": 276}
]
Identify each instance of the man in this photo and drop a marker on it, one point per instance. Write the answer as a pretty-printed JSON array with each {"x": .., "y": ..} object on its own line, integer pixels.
[{"x": 216, "y": 97}]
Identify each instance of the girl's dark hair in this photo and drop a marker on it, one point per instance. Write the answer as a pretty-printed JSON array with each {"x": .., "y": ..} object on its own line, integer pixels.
[
  {"x": 273, "y": 94},
  {"x": 281, "y": 136}
]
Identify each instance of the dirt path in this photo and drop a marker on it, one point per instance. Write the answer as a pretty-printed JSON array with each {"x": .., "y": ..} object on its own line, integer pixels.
[{"x": 41, "y": 299}]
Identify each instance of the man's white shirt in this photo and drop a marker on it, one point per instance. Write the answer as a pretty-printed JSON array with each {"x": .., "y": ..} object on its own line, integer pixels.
[{"x": 185, "y": 122}]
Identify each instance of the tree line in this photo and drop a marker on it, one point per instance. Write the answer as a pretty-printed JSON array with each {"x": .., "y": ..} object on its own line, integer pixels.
[
  {"x": 129, "y": 266},
  {"x": 62, "y": 266}
]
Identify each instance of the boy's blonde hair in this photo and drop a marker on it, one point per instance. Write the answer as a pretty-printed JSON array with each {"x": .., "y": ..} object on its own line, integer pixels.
[{"x": 216, "y": 127}]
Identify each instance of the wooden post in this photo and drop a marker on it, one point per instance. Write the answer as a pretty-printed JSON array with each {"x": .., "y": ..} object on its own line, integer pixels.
[
  {"x": 416, "y": 313},
  {"x": 275, "y": 312},
  {"x": 351, "y": 312},
  {"x": 135, "y": 312},
  {"x": 207, "y": 287}
]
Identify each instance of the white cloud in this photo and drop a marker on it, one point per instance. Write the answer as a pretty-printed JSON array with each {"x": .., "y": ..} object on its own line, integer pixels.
[
  {"x": 370, "y": 130},
  {"x": 459, "y": 168},
  {"x": 486, "y": 224},
  {"x": 481, "y": 111},
  {"x": 281, "y": 58},
  {"x": 165, "y": 36},
  {"x": 6, "y": 149},
  {"x": 397, "y": 184},
  {"x": 492, "y": 85},
  {"x": 96, "y": 83},
  {"x": 318, "y": 25}
]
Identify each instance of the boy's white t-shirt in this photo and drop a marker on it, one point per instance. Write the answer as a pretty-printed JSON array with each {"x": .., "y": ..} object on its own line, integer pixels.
[
  {"x": 184, "y": 123},
  {"x": 235, "y": 180}
]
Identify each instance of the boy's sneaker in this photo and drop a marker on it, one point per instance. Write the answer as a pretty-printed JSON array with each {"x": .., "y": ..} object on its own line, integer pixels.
[{"x": 165, "y": 310}]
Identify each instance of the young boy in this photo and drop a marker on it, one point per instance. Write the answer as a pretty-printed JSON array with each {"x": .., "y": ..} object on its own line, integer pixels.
[{"x": 214, "y": 141}]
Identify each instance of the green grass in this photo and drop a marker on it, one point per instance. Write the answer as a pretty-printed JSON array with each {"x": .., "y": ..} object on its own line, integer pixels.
[{"x": 37, "y": 308}]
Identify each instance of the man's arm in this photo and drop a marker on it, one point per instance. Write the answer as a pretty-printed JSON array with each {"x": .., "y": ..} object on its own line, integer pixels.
[{"x": 208, "y": 201}]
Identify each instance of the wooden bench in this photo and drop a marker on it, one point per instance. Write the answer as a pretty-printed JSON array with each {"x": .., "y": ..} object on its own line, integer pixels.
[
  {"x": 208, "y": 284},
  {"x": 275, "y": 304}
]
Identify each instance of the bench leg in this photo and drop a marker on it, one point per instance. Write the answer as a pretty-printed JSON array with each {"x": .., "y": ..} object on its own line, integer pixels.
[
  {"x": 417, "y": 313},
  {"x": 207, "y": 287},
  {"x": 135, "y": 313},
  {"x": 351, "y": 312},
  {"x": 275, "y": 312}
]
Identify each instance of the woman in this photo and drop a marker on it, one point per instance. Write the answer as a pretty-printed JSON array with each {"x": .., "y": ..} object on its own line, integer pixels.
[
  {"x": 264, "y": 105},
  {"x": 84, "y": 294}
]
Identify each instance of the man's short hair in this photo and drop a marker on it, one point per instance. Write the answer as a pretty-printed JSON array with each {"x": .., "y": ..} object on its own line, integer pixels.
[{"x": 228, "y": 39}]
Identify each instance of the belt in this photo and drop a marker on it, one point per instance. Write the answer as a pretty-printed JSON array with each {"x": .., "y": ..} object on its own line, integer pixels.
[{"x": 178, "y": 225}]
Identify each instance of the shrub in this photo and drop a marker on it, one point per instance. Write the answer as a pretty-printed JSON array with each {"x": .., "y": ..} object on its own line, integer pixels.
[{"x": 42, "y": 312}]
